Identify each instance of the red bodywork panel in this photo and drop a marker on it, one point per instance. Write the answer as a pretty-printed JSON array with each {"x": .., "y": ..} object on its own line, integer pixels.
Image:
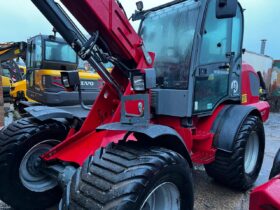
[
  {"x": 109, "y": 19},
  {"x": 247, "y": 95},
  {"x": 112, "y": 24},
  {"x": 266, "y": 196}
]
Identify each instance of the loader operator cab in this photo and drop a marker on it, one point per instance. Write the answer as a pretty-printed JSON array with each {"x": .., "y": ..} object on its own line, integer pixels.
[
  {"x": 46, "y": 57},
  {"x": 198, "y": 54}
]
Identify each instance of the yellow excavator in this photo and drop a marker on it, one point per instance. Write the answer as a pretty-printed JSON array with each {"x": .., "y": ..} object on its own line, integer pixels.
[
  {"x": 46, "y": 56},
  {"x": 18, "y": 89},
  {"x": 11, "y": 72}
]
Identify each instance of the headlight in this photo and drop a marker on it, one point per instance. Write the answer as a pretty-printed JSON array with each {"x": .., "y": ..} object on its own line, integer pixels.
[
  {"x": 70, "y": 80},
  {"x": 65, "y": 81},
  {"x": 44, "y": 80},
  {"x": 138, "y": 82}
]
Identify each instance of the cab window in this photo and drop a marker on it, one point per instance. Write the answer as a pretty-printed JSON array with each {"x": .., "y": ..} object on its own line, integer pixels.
[
  {"x": 237, "y": 32},
  {"x": 6, "y": 72},
  {"x": 215, "y": 37},
  {"x": 60, "y": 52},
  {"x": 37, "y": 56},
  {"x": 211, "y": 83},
  {"x": 169, "y": 33},
  {"x": 34, "y": 55}
]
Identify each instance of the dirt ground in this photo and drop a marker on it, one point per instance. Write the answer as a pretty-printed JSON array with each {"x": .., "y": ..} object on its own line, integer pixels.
[{"x": 208, "y": 194}]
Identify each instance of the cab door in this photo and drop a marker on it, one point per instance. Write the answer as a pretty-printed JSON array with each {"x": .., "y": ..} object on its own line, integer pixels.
[
  {"x": 214, "y": 77},
  {"x": 33, "y": 61}
]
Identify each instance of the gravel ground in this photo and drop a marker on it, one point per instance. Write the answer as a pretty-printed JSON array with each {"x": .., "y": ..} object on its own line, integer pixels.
[{"x": 208, "y": 194}]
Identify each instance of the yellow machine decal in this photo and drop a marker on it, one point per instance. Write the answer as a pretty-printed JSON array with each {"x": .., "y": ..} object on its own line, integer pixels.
[{"x": 244, "y": 98}]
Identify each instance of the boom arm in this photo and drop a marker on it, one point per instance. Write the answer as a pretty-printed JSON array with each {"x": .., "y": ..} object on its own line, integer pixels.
[
  {"x": 9, "y": 51},
  {"x": 107, "y": 17}
]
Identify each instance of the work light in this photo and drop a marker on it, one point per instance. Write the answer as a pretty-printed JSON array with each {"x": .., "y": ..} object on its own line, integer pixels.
[
  {"x": 65, "y": 82},
  {"x": 138, "y": 82},
  {"x": 70, "y": 80}
]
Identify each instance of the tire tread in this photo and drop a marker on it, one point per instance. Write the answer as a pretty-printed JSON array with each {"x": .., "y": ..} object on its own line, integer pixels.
[
  {"x": 12, "y": 139},
  {"x": 118, "y": 189}
]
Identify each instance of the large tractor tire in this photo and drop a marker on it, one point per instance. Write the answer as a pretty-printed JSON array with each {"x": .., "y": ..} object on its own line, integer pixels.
[
  {"x": 133, "y": 178},
  {"x": 240, "y": 169},
  {"x": 22, "y": 185}
]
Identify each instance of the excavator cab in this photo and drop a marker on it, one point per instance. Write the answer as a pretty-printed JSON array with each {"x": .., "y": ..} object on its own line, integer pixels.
[
  {"x": 46, "y": 57},
  {"x": 38, "y": 81}
]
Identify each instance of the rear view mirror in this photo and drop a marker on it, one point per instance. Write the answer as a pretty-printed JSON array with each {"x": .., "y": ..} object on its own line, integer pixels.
[
  {"x": 140, "y": 6},
  {"x": 226, "y": 8}
]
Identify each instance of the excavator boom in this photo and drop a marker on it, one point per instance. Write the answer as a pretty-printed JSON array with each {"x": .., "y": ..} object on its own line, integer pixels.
[{"x": 9, "y": 51}]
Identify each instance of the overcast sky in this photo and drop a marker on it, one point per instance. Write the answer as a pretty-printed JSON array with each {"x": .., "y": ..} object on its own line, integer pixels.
[{"x": 20, "y": 20}]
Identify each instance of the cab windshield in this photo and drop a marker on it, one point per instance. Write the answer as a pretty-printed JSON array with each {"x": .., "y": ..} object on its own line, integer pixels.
[
  {"x": 169, "y": 33},
  {"x": 57, "y": 51}
]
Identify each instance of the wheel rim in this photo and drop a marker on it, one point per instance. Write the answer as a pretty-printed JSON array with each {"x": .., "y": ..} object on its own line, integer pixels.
[
  {"x": 251, "y": 152},
  {"x": 29, "y": 172},
  {"x": 164, "y": 197}
]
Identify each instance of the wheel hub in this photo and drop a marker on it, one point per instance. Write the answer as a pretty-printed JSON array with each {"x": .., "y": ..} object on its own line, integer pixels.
[
  {"x": 164, "y": 197},
  {"x": 29, "y": 172},
  {"x": 251, "y": 152}
]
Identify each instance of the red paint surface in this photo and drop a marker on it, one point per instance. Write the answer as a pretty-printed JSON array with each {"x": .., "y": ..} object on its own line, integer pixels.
[
  {"x": 114, "y": 27},
  {"x": 246, "y": 87},
  {"x": 266, "y": 196}
]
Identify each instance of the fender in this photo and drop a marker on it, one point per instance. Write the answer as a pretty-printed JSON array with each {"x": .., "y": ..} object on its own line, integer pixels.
[
  {"x": 44, "y": 113},
  {"x": 158, "y": 135},
  {"x": 228, "y": 123}
]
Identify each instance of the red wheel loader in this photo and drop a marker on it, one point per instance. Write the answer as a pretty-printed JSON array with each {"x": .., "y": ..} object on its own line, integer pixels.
[{"x": 178, "y": 95}]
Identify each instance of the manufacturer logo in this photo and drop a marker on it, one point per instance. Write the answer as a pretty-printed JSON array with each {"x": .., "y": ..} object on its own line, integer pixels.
[
  {"x": 87, "y": 83},
  {"x": 234, "y": 86}
]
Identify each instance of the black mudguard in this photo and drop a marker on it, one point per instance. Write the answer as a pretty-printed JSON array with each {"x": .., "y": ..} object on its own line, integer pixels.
[
  {"x": 228, "y": 124},
  {"x": 160, "y": 135},
  {"x": 44, "y": 113}
]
